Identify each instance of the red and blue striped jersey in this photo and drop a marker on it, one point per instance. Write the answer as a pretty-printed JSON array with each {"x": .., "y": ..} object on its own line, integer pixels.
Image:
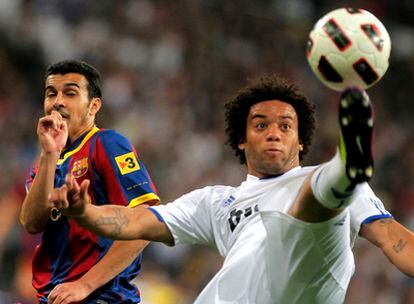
[{"x": 67, "y": 250}]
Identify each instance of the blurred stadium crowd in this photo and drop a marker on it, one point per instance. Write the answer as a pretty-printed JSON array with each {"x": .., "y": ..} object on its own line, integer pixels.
[{"x": 168, "y": 67}]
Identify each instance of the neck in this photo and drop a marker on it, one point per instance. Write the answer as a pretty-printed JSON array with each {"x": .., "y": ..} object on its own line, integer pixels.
[
  {"x": 78, "y": 133},
  {"x": 273, "y": 173}
]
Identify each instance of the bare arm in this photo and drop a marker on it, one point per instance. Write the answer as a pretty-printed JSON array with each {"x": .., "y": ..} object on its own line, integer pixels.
[
  {"x": 121, "y": 223},
  {"x": 35, "y": 211},
  {"x": 396, "y": 241},
  {"x": 119, "y": 256},
  {"x": 115, "y": 222}
]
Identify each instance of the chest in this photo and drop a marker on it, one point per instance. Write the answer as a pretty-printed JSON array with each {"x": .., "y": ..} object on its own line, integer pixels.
[
  {"x": 79, "y": 164},
  {"x": 239, "y": 214}
]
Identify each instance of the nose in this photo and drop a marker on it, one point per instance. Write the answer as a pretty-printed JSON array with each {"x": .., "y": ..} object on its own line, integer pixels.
[
  {"x": 59, "y": 101},
  {"x": 273, "y": 133}
]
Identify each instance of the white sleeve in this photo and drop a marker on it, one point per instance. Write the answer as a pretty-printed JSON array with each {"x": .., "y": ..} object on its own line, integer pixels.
[
  {"x": 189, "y": 217},
  {"x": 365, "y": 208}
]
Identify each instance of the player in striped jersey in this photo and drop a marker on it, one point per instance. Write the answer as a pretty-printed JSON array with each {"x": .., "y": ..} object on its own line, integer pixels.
[
  {"x": 286, "y": 232},
  {"x": 71, "y": 264}
]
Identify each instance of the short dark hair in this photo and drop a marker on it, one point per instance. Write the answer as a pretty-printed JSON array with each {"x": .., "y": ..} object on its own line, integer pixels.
[
  {"x": 80, "y": 67},
  {"x": 263, "y": 89}
]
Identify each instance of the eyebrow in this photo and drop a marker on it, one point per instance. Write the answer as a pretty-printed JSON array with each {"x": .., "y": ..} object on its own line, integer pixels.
[
  {"x": 282, "y": 117},
  {"x": 69, "y": 84},
  {"x": 258, "y": 116},
  {"x": 290, "y": 117}
]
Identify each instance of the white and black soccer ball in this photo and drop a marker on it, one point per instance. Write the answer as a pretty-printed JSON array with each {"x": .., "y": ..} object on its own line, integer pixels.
[{"x": 349, "y": 48}]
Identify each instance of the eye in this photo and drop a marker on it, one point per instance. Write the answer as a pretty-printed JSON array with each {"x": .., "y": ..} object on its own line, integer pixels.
[
  {"x": 261, "y": 126},
  {"x": 285, "y": 127},
  {"x": 71, "y": 93},
  {"x": 50, "y": 94}
]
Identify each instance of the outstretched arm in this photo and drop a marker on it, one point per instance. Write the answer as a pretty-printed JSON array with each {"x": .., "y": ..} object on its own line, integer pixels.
[
  {"x": 396, "y": 241},
  {"x": 115, "y": 222}
]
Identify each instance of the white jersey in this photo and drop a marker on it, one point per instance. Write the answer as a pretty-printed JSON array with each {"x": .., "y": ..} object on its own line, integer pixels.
[{"x": 270, "y": 257}]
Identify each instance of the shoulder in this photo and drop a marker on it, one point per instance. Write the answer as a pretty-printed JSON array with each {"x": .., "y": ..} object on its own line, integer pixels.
[
  {"x": 217, "y": 191},
  {"x": 296, "y": 174},
  {"x": 364, "y": 192},
  {"x": 365, "y": 189},
  {"x": 210, "y": 195},
  {"x": 109, "y": 134},
  {"x": 109, "y": 138},
  {"x": 306, "y": 169},
  {"x": 364, "y": 196},
  {"x": 366, "y": 206},
  {"x": 300, "y": 171}
]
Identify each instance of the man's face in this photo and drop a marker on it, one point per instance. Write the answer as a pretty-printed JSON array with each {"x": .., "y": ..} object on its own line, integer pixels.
[
  {"x": 272, "y": 140},
  {"x": 68, "y": 95}
]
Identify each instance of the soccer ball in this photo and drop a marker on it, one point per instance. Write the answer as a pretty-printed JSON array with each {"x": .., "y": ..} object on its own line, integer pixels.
[{"x": 349, "y": 48}]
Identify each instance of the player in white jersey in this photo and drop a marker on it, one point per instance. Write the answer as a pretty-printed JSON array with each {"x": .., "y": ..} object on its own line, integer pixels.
[{"x": 286, "y": 232}]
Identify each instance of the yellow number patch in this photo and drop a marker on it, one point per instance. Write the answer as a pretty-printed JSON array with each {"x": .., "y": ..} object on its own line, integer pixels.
[{"x": 127, "y": 163}]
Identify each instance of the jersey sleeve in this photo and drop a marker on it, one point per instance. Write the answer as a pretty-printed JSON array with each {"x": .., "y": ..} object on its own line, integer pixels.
[
  {"x": 123, "y": 174},
  {"x": 367, "y": 207},
  {"x": 29, "y": 181},
  {"x": 189, "y": 218}
]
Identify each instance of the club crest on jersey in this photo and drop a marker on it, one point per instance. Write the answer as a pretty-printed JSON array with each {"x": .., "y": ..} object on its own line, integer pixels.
[
  {"x": 127, "y": 163},
  {"x": 80, "y": 167}
]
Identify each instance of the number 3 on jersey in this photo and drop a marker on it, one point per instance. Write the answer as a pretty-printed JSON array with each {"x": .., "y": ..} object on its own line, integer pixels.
[{"x": 127, "y": 163}]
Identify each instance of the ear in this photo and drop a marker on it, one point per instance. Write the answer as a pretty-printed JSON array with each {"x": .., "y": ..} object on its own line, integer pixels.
[
  {"x": 300, "y": 147},
  {"x": 95, "y": 106},
  {"x": 241, "y": 145}
]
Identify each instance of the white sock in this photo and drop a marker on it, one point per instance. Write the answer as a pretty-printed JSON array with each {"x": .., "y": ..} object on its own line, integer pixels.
[{"x": 330, "y": 185}]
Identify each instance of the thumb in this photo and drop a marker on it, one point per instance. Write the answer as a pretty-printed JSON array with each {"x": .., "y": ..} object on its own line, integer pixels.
[{"x": 71, "y": 184}]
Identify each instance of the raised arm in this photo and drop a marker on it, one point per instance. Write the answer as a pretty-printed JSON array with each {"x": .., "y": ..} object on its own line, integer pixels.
[
  {"x": 396, "y": 241},
  {"x": 115, "y": 222},
  {"x": 52, "y": 133}
]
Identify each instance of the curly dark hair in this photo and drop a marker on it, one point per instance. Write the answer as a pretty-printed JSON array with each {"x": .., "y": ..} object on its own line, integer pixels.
[{"x": 263, "y": 89}]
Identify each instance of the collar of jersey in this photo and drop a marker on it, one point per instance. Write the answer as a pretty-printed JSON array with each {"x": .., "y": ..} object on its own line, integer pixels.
[
  {"x": 82, "y": 139},
  {"x": 255, "y": 178}
]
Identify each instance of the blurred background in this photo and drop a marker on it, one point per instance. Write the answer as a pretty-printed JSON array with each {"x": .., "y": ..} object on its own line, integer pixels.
[{"x": 168, "y": 67}]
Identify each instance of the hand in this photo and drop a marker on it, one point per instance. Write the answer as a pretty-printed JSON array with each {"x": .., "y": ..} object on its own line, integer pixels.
[
  {"x": 66, "y": 293},
  {"x": 71, "y": 199},
  {"x": 52, "y": 132}
]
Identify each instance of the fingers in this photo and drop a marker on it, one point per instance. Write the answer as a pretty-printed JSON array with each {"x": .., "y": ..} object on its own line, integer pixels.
[
  {"x": 71, "y": 198},
  {"x": 61, "y": 197},
  {"x": 84, "y": 190},
  {"x": 61, "y": 294},
  {"x": 60, "y": 122},
  {"x": 56, "y": 115},
  {"x": 58, "y": 197},
  {"x": 74, "y": 188},
  {"x": 72, "y": 185},
  {"x": 54, "y": 121}
]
